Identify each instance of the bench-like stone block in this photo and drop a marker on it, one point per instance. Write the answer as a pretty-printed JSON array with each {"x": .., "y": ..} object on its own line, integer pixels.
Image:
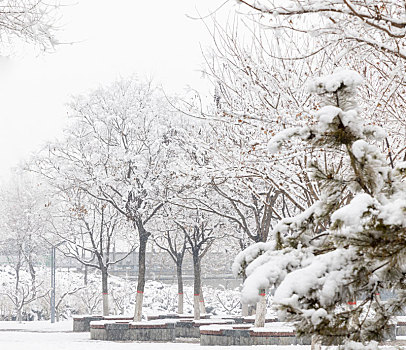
[{"x": 82, "y": 323}]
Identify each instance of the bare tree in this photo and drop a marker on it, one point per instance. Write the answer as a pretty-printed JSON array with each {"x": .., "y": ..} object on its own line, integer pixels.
[
  {"x": 175, "y": 245},
  {"x": 173, "y": 241},
  {"x": 200, "y": 234},
  {"x": 381, "y": 25},
  {"x": 23, "y": 223},
  {"x": 89, "y": 229},
  {"x": 33, "y": 21}
]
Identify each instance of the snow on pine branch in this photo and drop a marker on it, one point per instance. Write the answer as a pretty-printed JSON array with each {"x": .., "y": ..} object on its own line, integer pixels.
[
  {"x": 321, "y": 278},
  {"x": 248, "y": 255},
  {"x": 333, "y": 82},
  {"x": 338, "y": 88},
  {"x": 361, "y": 212},
  {"x": 269, "y": 270},
  {"x": 277, "y": 141}
]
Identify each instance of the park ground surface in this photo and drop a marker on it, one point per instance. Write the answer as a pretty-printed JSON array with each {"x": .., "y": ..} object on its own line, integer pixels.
[{"x": 42, "y": 335}]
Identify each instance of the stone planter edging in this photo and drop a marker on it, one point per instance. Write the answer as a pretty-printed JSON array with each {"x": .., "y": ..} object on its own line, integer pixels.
[
  {"x": 237, "y": 335},
  {"x": 132, "y": 331},
  {"x": 191, "y": 328},
  {"x": 81, "y": 323}
]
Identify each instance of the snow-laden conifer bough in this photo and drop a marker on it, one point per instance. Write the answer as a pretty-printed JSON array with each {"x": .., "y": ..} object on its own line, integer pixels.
[{"x": 349, "y": 245}]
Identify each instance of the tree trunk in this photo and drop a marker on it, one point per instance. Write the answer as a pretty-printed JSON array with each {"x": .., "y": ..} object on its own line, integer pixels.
[
  {"x": 141, "y": 275},
  {"x": 17, "y": 286},
  {"x": 85, "y": 275},
  {"x": 33, "y": 276},
  {"x": 196, "y": 285},
  {"x": 19, "y": 316},
  {"x": 261, "y": 310},
  {"x": 105, "y": 292},
  {"x": 251, "y": 310},
  {"x": 180, "y": 287}
]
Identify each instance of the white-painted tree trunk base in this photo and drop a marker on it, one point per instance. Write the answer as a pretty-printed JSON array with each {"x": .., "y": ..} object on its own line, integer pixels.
[
  {"x": 202, "y": 303},
  {"x": 138, "y": 307},
  {"x": 202, "y": 306},
  {"x": 261, "y": 312},
  {"x": 105, "y": 304},
  {"x": 196, "y": 307}
]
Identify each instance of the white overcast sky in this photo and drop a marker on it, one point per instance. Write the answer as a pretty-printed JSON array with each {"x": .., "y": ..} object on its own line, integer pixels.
[{"x": 112, "y": 39}]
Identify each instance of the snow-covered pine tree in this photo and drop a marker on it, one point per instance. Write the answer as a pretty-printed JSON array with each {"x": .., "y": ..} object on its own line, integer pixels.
[{"x": 348, "y": 246}]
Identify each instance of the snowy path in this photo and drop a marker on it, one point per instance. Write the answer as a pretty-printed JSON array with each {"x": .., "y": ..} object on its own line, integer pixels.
[{"x": 58, "y": 336}]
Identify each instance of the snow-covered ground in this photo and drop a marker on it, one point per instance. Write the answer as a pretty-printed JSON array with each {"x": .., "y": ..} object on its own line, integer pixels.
[
  {"x": 36, "y": 326},
  {"x": 41, "y": 335}
]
